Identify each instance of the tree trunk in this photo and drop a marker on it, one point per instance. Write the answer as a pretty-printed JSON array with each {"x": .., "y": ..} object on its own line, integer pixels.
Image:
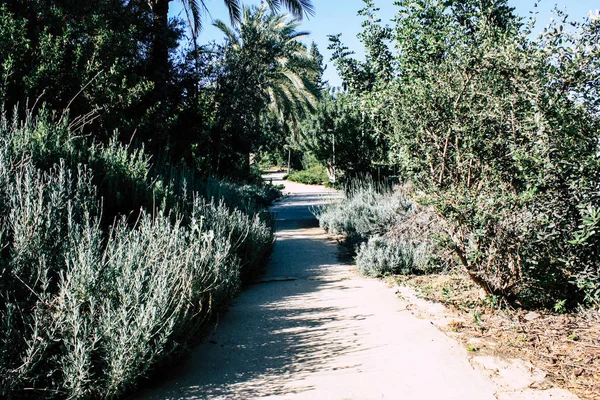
[
  {"x": 478, "y": 280},
  {"x": 158, "y": 66}
]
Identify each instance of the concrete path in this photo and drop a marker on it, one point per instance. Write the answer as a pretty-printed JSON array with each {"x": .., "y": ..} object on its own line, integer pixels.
[{"x": 313, "y": 329}]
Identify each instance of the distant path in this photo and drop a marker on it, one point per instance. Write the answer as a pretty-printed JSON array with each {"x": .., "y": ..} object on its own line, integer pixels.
[{"x": 313, "y": 329}]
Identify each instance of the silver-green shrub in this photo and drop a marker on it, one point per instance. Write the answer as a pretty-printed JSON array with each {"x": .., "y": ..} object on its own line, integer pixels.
[
  {"x": 41, "y": 210},
  {"x": 250, "y": 237},
  {"x": 365, "y": 211},
  {"x": 86, "y": 310},
  {"x": 382, "y": 256},
  {"x": 389, "y": 233}
]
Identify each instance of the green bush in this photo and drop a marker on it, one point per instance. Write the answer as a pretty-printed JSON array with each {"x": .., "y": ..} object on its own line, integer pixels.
[
  {"x": 251, "y": 238},
  {"x": 524, "y": 157},
  {"x": 316, "y": 175},
  {"x": 338, "y": 132},
  {"x": 497, "y": 130},
  {"x": 51, "y": 50},
  {"x": 125, "y": 177}
]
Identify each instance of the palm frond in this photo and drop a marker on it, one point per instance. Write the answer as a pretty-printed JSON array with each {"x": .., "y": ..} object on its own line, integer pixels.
[
  {"x": 235, "y": 10},
  {"x": 285, "y": 85},
  {"x": 298, "y": 35},
  {"x": 230, "y": 33},
  {"x": 274, "y": 5},
  {"x": 194, "y": 10},
  {"x": 298, "y": 8}
]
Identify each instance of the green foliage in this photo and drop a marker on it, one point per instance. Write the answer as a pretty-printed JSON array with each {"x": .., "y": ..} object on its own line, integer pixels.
[
  {"x": 114, "y": 65},
  {"x": 74, "y": 54},
  {"x": 87, "y": 307},
  {"x": 113, "y": 255},
  {"x": 501, "y": 143},
  {"x": 560, "y": 306},
  {"x": 339, "y": 127},
  {"x": 471, "y": 347},
  {"x": 585, "y": 254},
  {"x": 317, "y": 76},
  {"x": 316, "y": 175},
  {"x": 377, "y": 69},
  {"x": 498, "y": 132},
  {"x": 352, "y": 124},
  {"x": 266, "y": 75}
]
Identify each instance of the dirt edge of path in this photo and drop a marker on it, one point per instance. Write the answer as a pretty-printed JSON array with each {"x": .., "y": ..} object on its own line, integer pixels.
[{"x": 528, "y": 355}]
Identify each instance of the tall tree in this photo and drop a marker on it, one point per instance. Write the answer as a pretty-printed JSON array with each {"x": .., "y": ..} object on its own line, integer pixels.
[
  {"x": 377, "y": 69},
  {"x": 266, "y": 68},
  {"x": 84, "y": 56},
  {"x": 318, "y": 58},
  {"x": 159, "y": 52}
]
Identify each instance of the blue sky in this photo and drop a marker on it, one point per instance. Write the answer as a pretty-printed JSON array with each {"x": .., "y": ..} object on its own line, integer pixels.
[{"x": 339, "y": 16}]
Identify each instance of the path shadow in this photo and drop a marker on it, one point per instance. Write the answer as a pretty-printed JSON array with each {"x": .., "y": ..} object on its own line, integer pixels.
[
  {"x": 282, "y": 341},
  {"x": 278, "y": 328}
]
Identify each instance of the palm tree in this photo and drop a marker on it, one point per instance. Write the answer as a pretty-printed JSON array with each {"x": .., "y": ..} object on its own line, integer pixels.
[
  {"x": 271, "y": 68},
  {"x": 159, "y": 53}
]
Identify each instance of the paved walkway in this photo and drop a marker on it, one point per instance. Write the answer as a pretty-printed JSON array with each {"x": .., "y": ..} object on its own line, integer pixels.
[{"x": 313, "y": 329}]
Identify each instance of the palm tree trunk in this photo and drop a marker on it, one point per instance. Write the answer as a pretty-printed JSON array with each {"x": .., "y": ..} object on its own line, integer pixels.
[
  {"x": 295, "y": 138},
  {"x": 158, "y": 66}
]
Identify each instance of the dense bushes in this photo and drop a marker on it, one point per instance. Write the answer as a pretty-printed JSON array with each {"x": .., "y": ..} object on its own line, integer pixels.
[
  {"x": 366, "y": 211},
  {"x": 91, "y": 302},
  {"x": 316, "y": 175},
  {"x": 387, "y": 231},
  {"x": 51, "y": 50},
  {"x": 338, "y": 135},
  {"x": 120, "y": 65},
  {"x": 498, "y": 133},
  {"x": 519, "y": 154},
  {"x": 112, "y": 255}
]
